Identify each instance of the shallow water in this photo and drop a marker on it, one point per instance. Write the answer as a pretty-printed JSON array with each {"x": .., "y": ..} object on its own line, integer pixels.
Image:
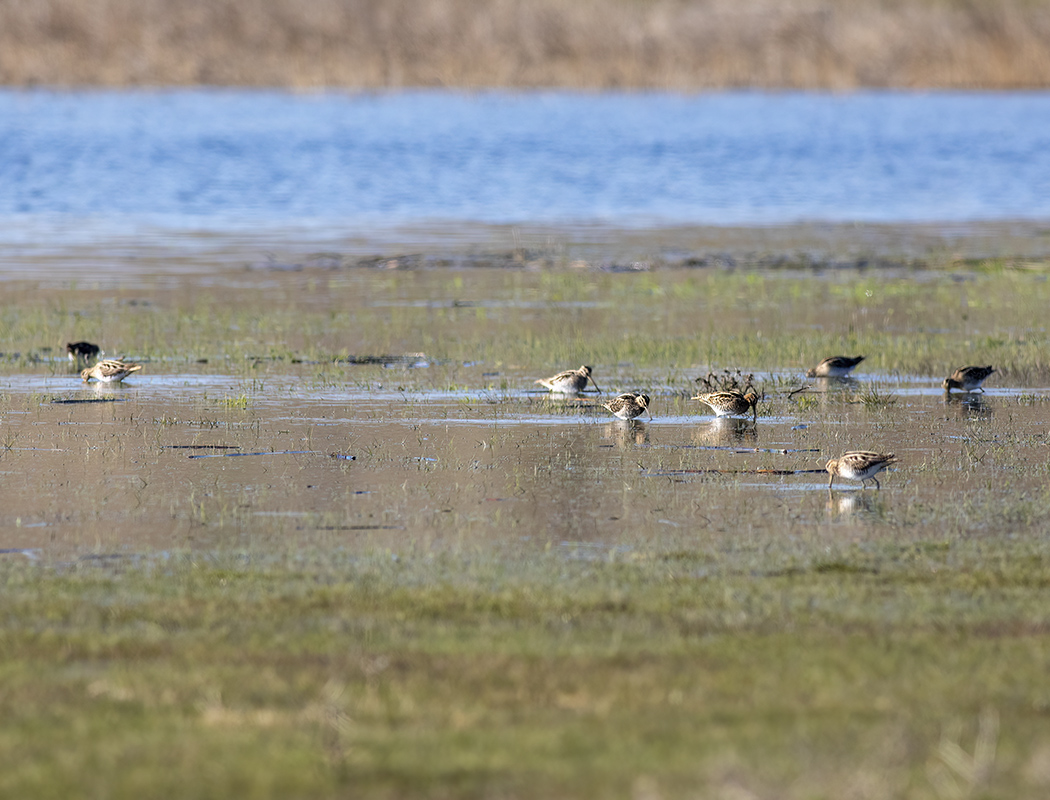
[
  {"x": 177, "y": 459},
  {"x": 356, "y": 409}
]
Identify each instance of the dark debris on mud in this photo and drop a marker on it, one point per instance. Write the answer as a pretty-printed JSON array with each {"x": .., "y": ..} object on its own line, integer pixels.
[{"x": 544, "y": 260}]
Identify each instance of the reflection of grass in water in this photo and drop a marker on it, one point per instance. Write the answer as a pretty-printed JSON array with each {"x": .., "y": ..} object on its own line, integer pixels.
[
  {"x": 565, "y": 672},
  {"x": 873, "y": 398},
  {"x": 239, "y": 402},
  {"x": 805, "y": 402}
]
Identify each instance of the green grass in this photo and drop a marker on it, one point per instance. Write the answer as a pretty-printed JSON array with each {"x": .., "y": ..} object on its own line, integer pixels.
[
  {"x": 669, "y": 319},
  {"x": 524, "y": 674}
]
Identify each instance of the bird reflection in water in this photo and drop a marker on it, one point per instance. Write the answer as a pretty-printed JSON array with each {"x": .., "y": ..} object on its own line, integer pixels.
[
  {"x": 968, "y": 405},
  {"x": 855, "y": 503},
  {"x": 626, "y": 433},
  {"x": 725, "y": 432}
]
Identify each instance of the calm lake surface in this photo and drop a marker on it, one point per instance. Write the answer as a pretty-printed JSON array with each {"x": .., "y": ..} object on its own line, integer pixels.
[{"x": 82, "y": 164}]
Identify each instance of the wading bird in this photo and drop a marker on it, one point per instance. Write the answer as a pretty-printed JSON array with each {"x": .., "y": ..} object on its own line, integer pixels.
[
  {"x": 572, "y": 381},
  {"x": 834, "y": 367},
  {"x": 111, "y": 370},
  {"x": 732, "y": 403},
  {"x": 969, "y": 379},
  {"x": 82, "y": 351},
  {"x": 629, "y": 405},
  {"x": 859, "y": 466}
]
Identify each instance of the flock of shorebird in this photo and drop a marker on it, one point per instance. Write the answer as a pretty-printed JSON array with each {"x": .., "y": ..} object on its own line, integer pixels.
[{"x": 859, "y": 465}]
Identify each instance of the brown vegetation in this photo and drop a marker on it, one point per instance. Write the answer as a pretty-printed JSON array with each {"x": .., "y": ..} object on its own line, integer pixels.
[{"x": 674, "y": 44}]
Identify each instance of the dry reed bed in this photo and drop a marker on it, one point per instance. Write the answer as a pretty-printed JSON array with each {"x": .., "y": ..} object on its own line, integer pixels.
[{"x": 674, "y": 44}]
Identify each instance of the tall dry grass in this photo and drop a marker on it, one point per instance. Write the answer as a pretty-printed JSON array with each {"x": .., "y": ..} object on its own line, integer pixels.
[{"x": 675, "y": 44}]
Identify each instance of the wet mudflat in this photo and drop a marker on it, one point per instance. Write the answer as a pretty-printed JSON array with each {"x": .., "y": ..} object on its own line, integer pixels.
[
  {"x": 334, "y": 532},
  {"x": 364, "y": 406},
  {"x": 181, "y": 460}
]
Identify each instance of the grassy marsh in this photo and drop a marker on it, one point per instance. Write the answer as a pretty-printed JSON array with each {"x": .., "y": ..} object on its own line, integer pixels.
[
  {"x": 924, "y": 323},
  {"x": 871, "y": 672},
  {"x": 504, "y": 595}
]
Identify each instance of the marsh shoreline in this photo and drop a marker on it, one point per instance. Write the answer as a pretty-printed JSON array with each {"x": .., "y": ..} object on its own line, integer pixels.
[{"x": 76, "y": 252}]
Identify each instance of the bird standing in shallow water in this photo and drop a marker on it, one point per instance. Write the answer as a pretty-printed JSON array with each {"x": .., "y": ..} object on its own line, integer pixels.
[
  {"x": 859, "y": 466},
  {"x": 629, "y": 405},
  {"x": 731, "y": 403},
  {"x": 969, "y": 379},
  {"x": 111, "y": 370},
  {"x": 834, "y": 367},
  {"x": 572, "y": 381},
  {"x": 82, "y": 351}
]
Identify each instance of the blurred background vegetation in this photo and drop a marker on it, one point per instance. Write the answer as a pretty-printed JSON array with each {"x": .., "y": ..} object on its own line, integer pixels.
[{"x": 583, "y": 44}]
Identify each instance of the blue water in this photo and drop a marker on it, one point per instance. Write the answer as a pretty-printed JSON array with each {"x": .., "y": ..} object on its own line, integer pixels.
[{"x": 233, "y": 159}]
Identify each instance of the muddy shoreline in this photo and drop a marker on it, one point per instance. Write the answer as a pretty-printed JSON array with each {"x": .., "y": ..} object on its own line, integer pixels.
[{"x": 80, "y": 253}]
